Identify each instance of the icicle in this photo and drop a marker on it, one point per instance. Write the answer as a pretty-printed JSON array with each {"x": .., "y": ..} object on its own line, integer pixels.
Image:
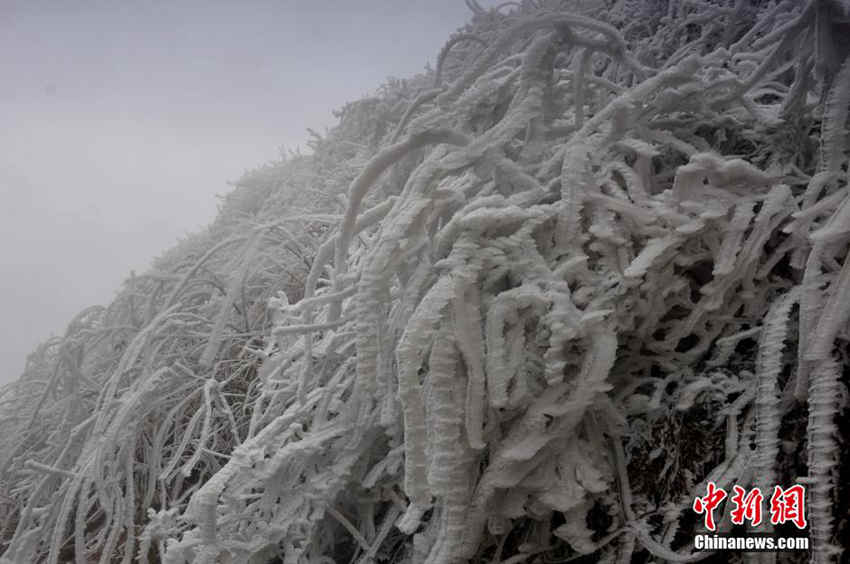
[
  {"x": 578, "y": 85},
  {"x": 834, "y": 124},
  {"x": 835, "y": 315},
  {"x": 823, "y": 455},
  {"x": 410, "y": 350},
  {"x": 446, "y": 413},
  {"x": 650, "y": 254},
  {"x": 768, "y": 369},
  {"x": 725, "y": 262},
  {"x": 467, "y": 318}
]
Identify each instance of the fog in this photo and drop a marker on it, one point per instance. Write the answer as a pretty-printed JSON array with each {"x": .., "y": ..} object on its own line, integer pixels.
[{"x": 120, "y": 122}]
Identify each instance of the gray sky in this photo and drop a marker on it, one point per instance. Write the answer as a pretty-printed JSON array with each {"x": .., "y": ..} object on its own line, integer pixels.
[{"x": 121, "y": 120}]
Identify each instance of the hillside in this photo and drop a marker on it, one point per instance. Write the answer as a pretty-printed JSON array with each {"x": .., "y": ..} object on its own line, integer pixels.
[{"x": 522, "y": 307}]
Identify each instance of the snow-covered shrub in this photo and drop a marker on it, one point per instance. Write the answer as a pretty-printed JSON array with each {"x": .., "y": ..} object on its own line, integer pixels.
[{"x": 602, "y": 247}]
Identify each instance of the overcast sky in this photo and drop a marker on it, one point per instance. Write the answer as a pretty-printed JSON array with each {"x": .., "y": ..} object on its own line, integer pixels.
[{"x": 121, "y": 120}]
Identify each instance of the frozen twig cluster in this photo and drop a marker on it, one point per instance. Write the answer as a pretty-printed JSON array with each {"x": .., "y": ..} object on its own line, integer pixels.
[{"x": 494, "y": 310}]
